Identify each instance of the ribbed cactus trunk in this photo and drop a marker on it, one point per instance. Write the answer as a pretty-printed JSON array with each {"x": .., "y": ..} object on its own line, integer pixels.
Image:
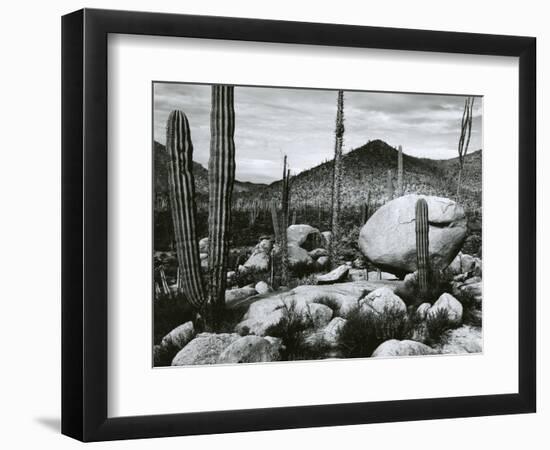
[
  {"x": 422, "y": 247},
  {"x": 221, "y": 176},
  {"x": 184, "y": 211},
  {"x": 275, "y": 222},
  {"x": 285, "y": 196},
  {"x": 389, "y": 186},
  {"x": 400, "y": 171},
  {"x": 365, "y": 207},
  {"x": 337, "y": 180}
]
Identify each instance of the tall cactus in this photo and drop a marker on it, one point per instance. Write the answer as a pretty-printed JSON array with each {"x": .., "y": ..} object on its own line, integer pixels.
[
  {"x": 337, "y": 179},
  {"x": 285, "y": 196},
  {"x": 400, "y": 171},
  {"x": 389, "y": 185},
  {"x": 221, "y": 176},
  {"x": 275, "y": 221},
  {"x": 422, "y": 229},
  {"x": 184, "y": 210},
  {"x": 365, "y": 209}
]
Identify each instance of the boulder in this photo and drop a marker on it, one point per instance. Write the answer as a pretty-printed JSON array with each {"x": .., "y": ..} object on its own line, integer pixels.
[
  {"x": 298, "y": 256},
  {"x": 359, "y": 263},
  {"x": 471, "y": 288},
  {"x": 466, "y": 339},
  {"x": 251, "y": 349},
  {"x": 204, "y": 349},
  {"x": 464, "y": 266},
  {"x": 467, "y": 263},
  {"x": 233, "y": 296},
  {"x": 268, "y": 311},
  {"x": 318, "y": 252},
  {"x": 260, "y": 257},
  {"x": 319, "y": 314},
  {"x": 231, "y": 277},
  {"x": 450, "y": 304},
  {"x": 336, "y": 275},
  {"x": 262, "y": 287},
  {"x": 455, "y": 266},
  {"x": 304, "y": 236},
  {"x": 394, "y": 347},
  {"x": 422, "y": 311},
  {"x": 258, "y": 261},
  {"x": 322, "y": 262},
  {"x": 203, "y": 245},
  {"x": 362, "y": 274},
  {"x": 388, "y": 239},
  {"x": 332, "y": 331},
  {"x": 179, "y": 336},
  {"x": 327, "y": 237},
  {"x": 382, "y": 299},
  {"x": 477, "y": 267}
]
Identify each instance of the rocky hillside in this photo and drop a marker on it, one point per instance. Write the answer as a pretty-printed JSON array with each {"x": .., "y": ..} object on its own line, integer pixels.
[
  {"x": 199, "y": 172},
  {"x": 365, "y": 170}
]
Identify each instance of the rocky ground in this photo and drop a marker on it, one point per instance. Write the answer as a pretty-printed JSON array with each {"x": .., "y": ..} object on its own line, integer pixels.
[{"x": 349, "y": 311}]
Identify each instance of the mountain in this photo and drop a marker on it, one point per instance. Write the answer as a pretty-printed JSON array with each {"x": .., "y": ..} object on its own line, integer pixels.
[
  {"x": 365, "y": 172},
  {"x": 199, "y": 172}
]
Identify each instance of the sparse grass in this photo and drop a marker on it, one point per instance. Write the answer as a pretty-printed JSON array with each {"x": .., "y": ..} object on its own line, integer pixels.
[
  {"x": 309, "y": 280},
  {"x": 164, "y": 355},
  {"x": 302, "y": 269},
  {"x": 470, "y": 313},
  {"x": 365, "y": 330},
  {"x": 439, "y": 283},
  {"x": 291, "y": 329},
  {"x": 437, "y": 324},
  {"x": 250, "y": 276},
  {"x": 168, "y": 314},
  {"x": 230, "y": 318}
]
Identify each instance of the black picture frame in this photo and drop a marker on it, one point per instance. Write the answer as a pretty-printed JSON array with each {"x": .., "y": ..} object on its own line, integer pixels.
[{"x": 84, "y": 224}]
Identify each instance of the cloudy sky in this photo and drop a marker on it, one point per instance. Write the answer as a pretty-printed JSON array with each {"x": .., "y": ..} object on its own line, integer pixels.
[{"x": 300, "y": 122}]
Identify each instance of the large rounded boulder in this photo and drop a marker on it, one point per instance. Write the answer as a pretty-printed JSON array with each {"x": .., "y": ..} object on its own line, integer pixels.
[
  {"x": 304, "y": 236},
  {"x": 388, "y": 239}
]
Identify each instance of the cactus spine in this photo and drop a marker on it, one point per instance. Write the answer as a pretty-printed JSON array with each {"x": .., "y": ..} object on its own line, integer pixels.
[
  {"x": 184, "y": 210},
  {"x": 337, "y": 180},
  {"x": 221, "y": 176},
  {"x": 400, "y": 171},
  {"x": 422, "y": 229}
]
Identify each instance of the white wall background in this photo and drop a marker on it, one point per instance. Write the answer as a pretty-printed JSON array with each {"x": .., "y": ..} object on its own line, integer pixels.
[{"x": 30, "y": 225}]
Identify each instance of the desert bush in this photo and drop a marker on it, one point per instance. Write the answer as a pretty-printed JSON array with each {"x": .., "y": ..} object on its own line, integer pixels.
[
  {"x": 437, "y": 324},
  {"x": 169, "y": 312},
  {"x": 306, "y": 280},
  {"x": 440, "y": 282},
  {"x": 291, "y": 329},
  {"x": 164, "y": 355},
  {"x": 365, "y": 330},
  {"x": 470, "y": 310},
  {"x": 302, "y": 269}
]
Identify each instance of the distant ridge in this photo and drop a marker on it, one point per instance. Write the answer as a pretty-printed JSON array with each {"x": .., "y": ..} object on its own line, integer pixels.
[{"x": 365, "y": 170}]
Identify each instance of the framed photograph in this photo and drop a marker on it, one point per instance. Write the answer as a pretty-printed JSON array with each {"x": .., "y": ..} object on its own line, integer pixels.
[{"x": 273, "y": 224}]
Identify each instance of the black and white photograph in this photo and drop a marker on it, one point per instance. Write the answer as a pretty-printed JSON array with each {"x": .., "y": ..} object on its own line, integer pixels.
[{"x": 310, "y": 224}]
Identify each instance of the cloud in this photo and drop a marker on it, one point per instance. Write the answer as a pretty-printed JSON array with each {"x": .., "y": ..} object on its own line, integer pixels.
[{"x": 271, "y": 122}]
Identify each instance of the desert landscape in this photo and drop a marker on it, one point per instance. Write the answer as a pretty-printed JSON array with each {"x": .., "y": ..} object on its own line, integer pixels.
[{"x": 371, "y": 253}]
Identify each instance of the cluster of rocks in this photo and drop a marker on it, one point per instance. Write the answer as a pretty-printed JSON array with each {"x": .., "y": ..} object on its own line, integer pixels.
[
  {"x": 305, "y": 244},
  {"x": 250, "y": 341},
  {"x": 387, "y": 240}
]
